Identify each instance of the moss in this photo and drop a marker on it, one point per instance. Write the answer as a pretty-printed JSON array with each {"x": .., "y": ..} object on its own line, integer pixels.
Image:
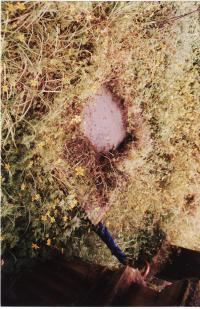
[{"x": 56, "y": 55}]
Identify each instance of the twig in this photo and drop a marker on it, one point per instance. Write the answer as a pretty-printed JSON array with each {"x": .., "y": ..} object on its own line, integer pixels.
[{"x": 161, "y": 23}]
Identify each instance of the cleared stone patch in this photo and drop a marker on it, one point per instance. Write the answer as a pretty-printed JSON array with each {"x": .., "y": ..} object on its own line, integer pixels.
[{"x": 103, "y": 121}]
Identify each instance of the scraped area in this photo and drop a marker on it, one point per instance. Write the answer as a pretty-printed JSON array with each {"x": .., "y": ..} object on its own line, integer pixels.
[{"x": 102, "y": 121}]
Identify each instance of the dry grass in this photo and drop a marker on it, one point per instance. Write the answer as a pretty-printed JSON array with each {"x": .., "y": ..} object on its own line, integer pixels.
[{"x": 56, "y": 55}]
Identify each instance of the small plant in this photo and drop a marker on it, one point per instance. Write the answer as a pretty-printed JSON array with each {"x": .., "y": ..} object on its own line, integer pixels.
[{"x": 147, "y": 240}]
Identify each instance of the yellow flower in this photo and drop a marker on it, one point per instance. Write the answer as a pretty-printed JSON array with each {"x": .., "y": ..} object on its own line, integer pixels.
[
  {"x": 80, "y": 171},
  {"x": 33, "y": 83},
  {"x": 44, "y": 218},
  {"x": 20, "y": 6},
  {"x": 35, "y": 246},
  {"x": 48, "y": 242},
  {"x": 41, "y": 144},
  {"x": 10, "y": 7},
  {"x": 23, "y": 186},
  {"x": 65, "y": 218},
  {"x": 35, "y": 197},
  {"x": 5, "y": 88},
  {"x": 7, "y": 167},
  {"x": 52, "y": 219},
  {"x": 21, "y": 37}
]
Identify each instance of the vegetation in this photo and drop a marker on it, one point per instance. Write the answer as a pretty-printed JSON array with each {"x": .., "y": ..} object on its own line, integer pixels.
[{"x": 54, "y": 56}]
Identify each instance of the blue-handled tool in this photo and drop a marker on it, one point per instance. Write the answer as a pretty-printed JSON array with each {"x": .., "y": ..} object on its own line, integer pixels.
[{"x": 105, "y": 235}]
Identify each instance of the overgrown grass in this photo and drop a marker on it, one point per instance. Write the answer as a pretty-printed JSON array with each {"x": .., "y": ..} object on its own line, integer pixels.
[{"x": 54, "y": 56}]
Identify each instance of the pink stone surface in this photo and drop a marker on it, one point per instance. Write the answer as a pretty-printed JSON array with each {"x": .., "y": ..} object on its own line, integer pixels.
[{"x": 103, "y": 121}]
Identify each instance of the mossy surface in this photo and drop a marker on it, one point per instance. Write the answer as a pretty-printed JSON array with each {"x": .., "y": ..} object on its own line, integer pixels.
[{"x": 55, "y": 55}]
